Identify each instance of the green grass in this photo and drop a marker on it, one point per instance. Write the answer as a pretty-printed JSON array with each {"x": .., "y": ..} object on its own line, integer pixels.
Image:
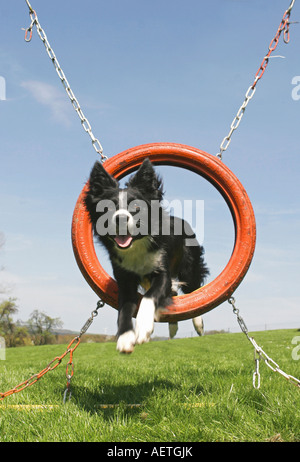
[{"x": 197, "y": 389}]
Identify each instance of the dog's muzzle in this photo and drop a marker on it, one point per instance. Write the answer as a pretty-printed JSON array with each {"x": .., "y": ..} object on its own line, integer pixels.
[{"x": 123, "y": 220}]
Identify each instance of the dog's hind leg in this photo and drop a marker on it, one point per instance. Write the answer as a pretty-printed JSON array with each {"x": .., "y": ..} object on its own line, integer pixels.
[{"x": 173, "y": 326}]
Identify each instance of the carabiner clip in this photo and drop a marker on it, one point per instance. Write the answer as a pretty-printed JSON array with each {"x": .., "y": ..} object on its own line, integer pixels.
[
  {"x": 256, "y": 374},
  {"x": 286, "y": 33},
  {"x": 28, "y": 31}
]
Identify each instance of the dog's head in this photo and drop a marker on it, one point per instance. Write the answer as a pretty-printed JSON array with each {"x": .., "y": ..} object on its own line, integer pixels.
[{"x": 120, "y": 216}]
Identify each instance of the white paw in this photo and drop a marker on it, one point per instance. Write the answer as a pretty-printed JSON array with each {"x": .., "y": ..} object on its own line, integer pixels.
[
  {"x": 126, "y": 342},
  {"x": 145, "y": 321}
]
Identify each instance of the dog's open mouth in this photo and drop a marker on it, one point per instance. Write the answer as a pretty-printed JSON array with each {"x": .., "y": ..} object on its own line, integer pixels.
[{"x": 123, "y": 241}]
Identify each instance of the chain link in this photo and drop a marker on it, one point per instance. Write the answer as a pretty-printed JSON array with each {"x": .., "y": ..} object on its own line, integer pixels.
[
  {"x": 259, "y": 353},
  {"x": 283, "y": 27},
  {"x": 84, "y": 121},
  {"x": 57, "y": 360}
]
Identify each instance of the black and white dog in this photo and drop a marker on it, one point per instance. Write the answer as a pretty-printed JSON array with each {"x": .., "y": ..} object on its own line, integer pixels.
[{"x": 147, "y": 247}]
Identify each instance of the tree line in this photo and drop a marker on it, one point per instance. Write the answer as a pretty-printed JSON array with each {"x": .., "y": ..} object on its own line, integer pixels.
[{"x": 37, "y": 330}]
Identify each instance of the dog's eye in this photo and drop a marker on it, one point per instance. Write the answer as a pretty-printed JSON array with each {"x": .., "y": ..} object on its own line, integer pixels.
[
  {"x": 135, "y": 207},
  {"x": 111, "y": 208}
]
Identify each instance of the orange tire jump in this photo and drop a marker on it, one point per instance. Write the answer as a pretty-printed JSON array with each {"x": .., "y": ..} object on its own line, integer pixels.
[{"x": 213, "y": 170}]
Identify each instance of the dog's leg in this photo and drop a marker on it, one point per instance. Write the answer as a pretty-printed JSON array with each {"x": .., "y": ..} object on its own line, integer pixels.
[
  {"x": 127, "y": 307},
  {"x": 126, "y": 342},
  {"x": 145, "y": 320},
  {"x": 126, "y": 335},
  {"x": 159, "y": 290}
]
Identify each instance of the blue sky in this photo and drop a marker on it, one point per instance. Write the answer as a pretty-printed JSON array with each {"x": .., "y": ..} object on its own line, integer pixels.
[{"x": 148, "y": 71}]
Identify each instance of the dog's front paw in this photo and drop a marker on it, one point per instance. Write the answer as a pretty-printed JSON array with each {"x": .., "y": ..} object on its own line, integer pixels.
[
  {"x": 126, "y": 342},
  {"x": 145, "y": 321},
  {"x": 143, "y": 334}
]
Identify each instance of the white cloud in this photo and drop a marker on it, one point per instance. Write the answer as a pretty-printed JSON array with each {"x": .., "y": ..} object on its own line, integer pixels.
[
  {"x": 50, "y": 96},
  {"x": 18, "y": 243}
]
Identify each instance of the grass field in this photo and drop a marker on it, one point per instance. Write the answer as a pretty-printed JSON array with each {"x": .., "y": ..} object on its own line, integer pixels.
[{"x": 189, "y": 390}]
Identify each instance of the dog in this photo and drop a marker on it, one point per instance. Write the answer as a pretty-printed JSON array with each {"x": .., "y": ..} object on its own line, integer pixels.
[{"x": 147, "y": 247}]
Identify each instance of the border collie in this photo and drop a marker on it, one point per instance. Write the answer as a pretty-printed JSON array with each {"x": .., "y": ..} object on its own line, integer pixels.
[{"x": 147, "y": 247}]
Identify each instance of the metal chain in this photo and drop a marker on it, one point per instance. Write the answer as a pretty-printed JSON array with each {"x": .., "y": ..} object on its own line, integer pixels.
[
  {"x": 70, "y": 364},
  {"x": 98, "y": 148},
  {"x": 283, "y": 27},
  {"x": 57, "y": 360},
  {"x": 84, "y": 121},
  {"x": 259, "y": 353}
]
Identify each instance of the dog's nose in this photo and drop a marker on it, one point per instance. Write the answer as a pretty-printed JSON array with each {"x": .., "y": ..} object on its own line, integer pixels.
[{"x": 122, "y": 219}]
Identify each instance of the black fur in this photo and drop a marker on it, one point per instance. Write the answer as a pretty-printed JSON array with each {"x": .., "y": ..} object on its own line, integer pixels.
[{"x": 139, "y": 256}]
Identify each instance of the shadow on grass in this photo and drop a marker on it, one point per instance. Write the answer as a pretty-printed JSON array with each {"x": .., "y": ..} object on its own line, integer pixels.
[{"x": 128, "y": 397}]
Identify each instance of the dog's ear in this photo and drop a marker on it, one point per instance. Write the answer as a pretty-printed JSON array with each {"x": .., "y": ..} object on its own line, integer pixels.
[
  {"x": 147, "y": 180},
  {"x": 99, "y": 181}
]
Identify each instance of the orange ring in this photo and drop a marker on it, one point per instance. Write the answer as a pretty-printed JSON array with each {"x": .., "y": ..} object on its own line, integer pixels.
[{"x": 211, "y": 168}]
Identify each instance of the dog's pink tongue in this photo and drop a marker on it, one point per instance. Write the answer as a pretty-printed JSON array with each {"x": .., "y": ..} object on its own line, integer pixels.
[{"x": 123, "y": 241}]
